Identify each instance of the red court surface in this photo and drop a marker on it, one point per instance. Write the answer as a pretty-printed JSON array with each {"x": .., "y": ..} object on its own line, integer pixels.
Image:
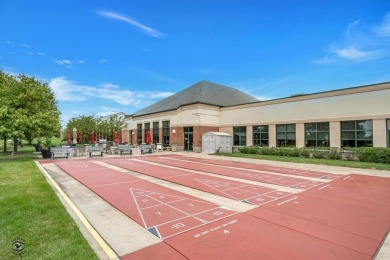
[
  {"x": 251, "y": 194},
  {"x": 260, "y": 167},
  {"x": 345, "y": 218},
  {"x": 247, "y": 174},
  {"x": 164, "y": 212}
]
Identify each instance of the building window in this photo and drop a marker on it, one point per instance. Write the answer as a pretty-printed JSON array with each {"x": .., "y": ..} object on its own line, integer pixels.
[
  {"x": 147, "y": 128},
  {"x": 285, "y": 135},
  {"x": 239, "y": 135},
  {"x": 155, "y": 133},
  {"x": 356, "y": 133},
  {"x": 165, "y": 125},
  {"x": 388, "y": 132},
  {"x": 317, "y": 134},
  {"x": 260, "y": 135},
  {"x": 139, "y": 133}
]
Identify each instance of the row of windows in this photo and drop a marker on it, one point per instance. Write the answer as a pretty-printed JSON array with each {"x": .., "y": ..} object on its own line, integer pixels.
[
  {"x": 155, "y": 137},
  {"x": 353, "y": 134}
]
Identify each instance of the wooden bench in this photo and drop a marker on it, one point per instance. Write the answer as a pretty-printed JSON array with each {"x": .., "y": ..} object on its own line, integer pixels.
[
  {"x": 59, "y": 152},
  {"x": 92, "y": 149},
  {"x": 146, "y": 148},
  {"x": 124, "y": 149}
]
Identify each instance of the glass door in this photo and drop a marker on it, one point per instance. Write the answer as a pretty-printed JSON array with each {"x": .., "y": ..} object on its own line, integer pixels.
[{"x": 188, "y": 138}]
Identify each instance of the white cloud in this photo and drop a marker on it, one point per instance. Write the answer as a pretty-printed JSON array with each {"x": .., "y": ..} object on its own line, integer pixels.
[
  {"x": 115, "y": 16},
  {"x": 360, "y": 43},
  {"x": 25, "y": 45},
  {"x": 107, "y": 111},
  {"x": 64, "y": 62},
  {"x": 109, "y": 85},
  {"x": 103, "y": 61},
  {"x": 41, "y": 54},
  {"x": 69, "y": 91},
  {"x": 353, "y": 53},
  {"x": 81, "y": 61},
  {"x": 383, "y": 30}
]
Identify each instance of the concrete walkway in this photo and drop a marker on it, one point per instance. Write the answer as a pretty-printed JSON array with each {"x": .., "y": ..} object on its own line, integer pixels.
[{"x": 124, "y": 236}]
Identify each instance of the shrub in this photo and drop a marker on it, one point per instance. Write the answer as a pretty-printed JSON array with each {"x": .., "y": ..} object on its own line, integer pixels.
[
  {"x": 318, "y": 154},
  {"x": 376, "y": 155},
  {"x": 304, "y": 152},
  {"x": 291, "y": 152},
  {"x": 333, "y": 154}
]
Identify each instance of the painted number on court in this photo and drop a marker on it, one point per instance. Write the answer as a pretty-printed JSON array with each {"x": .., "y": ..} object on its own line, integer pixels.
[{"x": 178, "y": 225}]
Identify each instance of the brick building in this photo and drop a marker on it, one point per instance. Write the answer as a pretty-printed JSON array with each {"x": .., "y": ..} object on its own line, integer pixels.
[{"x": 352, "y": 117}]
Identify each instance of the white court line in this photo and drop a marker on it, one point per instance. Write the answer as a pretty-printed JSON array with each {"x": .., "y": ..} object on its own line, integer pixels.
[
  {"x": 323, "y": 187},
  {"x": 281, "y": 203},
  {"x": 139, "y": 210},
  {"x": 347, "y": 177},
  {"x": 246, "y": 169},
  {"x": 159, "y": 204},
  {"x": 228, "y": 195},
  {"x": 114, "y": 183}
]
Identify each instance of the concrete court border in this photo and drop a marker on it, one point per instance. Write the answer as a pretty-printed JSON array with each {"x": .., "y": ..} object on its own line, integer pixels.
[{"x": 62, "y": 182}]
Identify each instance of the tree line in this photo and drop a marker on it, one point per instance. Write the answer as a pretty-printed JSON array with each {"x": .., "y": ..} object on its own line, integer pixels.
[{"x": 104, "y": 126}]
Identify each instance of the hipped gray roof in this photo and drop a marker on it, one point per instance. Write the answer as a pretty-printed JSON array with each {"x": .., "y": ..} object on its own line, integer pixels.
[{"x": 203, "y": 92}]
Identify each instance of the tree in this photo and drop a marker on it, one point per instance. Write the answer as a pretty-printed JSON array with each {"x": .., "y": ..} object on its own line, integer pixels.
[{"x": 28, "y": 109}]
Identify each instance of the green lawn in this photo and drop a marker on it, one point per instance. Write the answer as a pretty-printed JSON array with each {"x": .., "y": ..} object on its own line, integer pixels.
[
  {"x": 31, "y": 211},
  {"x": 341, "y": 163}
]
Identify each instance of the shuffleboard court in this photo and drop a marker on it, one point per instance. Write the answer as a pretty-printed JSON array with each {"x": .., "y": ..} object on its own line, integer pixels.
[
  {"x": 247, "y": 174},
  {"x": 162, "y": 211},
  {"x": 246, "y": 237},
  {"x": 251, "y": 194},
  {"x": 260, "y": 167}
]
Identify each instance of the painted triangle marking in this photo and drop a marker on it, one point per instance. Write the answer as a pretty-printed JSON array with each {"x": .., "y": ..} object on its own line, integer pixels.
[{"x": 154, "y": 231}]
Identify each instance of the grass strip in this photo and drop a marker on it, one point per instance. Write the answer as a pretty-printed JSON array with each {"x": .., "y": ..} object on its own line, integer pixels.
[
  {"x": 31, "y": 211},
  {"x": 341, "y": 163}
]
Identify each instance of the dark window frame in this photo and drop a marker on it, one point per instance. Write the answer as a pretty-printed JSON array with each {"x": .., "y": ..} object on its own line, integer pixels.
[
  {"x": 166, "y": 127},
  {"x": 155, "y": 137},
  {"x": 316, "y": 131},
  {"x": 139, "y": 133},
  {"x": 351, "y": 128},
  {"x": 239, "y": 136},
  {"x": 286, "y": 141},
  {"x": 260, "y": 135}
]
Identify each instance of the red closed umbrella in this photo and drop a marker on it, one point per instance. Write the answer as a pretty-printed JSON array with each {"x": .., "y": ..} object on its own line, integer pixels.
[
  {"x": 148, "y": 138},
  {"x": 68, "y": 136},
  {"x": 123, "y": 136},
  {"x": 115, "y": 136},
  {"x": 92, "y": 137}
]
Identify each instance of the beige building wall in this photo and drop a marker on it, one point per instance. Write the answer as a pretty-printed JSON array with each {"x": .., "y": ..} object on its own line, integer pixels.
[
  {"x": 380, "y": 132},
  {"x": 272, "y": 135},
  {"x": 249, "y": 135},
  {"x": 300, "y": 135},
  {"x": 334, "y": 134},
  {"x": 367, "y": 105}
]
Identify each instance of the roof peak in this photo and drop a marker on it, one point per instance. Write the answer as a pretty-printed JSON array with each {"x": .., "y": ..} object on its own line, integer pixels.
[{"x": 203, "y": 92}]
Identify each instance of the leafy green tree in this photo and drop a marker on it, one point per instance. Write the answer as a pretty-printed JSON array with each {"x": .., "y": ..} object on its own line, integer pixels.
[
  {"x": 82, "y": 123},
  {"x": 28, "y": 109},
  {"x": 87, "y": 124}
]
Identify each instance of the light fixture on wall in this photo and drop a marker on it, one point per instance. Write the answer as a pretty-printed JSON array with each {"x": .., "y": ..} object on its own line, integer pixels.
[{"x": 173, "y": 131}]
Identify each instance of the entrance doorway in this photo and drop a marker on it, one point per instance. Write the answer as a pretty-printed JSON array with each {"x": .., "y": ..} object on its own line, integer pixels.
[{"x": 188, "y": 138}]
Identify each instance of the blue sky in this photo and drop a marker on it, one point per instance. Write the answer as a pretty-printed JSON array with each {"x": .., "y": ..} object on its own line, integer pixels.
[{"x": 102, "y": 57}]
